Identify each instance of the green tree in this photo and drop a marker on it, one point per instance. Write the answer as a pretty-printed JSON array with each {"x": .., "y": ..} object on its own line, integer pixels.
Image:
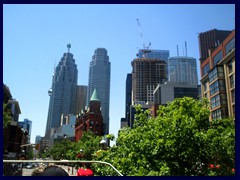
[
  {"x": 6, "y": 116},
  {"x": 89, "y": 143},
  {"x": 66, "y": 149},
  {"x": 60, "y": 149},
  {"x": 220, "y": 138},
  {"x": 179, "y": 141}
]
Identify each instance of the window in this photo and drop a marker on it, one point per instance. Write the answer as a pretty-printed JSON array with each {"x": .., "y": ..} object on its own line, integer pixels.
[
  {"x": 206, "y": 68},
  {"x": 233, "y": 95},
  {"x": 220, "y": 71},
  {"x": 224, "y": 112},
  {"x": 204, "y": 86},
  {"x": 232, "y": 82},
  {"x": 230, "y": 45},
  {"x": 214, "y": 88},
  {"x": 217, "y": 58},
  {"x": 230, "y": 68},
  {"x": 222, "y": 86},
  {"x": 215, "y": 101},
  {"x": 216, "y": 114},
  {"x": 212, "y": 75},
  {"x": 223, "y": 98}
]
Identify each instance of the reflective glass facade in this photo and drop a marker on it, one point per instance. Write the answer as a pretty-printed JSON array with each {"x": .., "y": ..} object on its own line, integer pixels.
[
  {"x": 182, "y": 70},
  {"x": 99, "y": 79},
  {"x": 63, "y": 91}
]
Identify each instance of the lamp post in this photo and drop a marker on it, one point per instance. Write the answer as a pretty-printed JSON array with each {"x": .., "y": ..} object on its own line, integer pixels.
[
  {"x": 23, "y": 152},
  {"x": 80, "y": 155},
  {"x": 103, "y": 144},
  {"x": 81, "y": 151},
  {"x": 84, "y": 170}
]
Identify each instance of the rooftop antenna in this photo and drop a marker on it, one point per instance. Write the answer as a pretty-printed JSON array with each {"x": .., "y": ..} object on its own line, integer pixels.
[
  {"x": 177, "y": 51},
  {"x": 68, "y": 46},
  {"x": 186, "y": 47}
]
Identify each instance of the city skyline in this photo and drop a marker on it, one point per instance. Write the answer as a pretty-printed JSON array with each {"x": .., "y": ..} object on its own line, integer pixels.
[{"x": 35, "y": 36}]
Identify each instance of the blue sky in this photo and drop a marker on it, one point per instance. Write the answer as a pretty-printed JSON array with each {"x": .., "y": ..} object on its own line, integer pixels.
[{"x": 36, "y": 36}]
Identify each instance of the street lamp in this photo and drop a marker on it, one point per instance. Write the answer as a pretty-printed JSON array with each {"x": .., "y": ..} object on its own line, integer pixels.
[
  {"x": 80, "y": 154},
  {"x": 80, "y": 150},
  {"x": 103, "y": 144}
]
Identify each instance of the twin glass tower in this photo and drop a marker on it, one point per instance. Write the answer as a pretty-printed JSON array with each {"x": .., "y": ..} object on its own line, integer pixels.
[
  {"x": 64, "y": 85},
  {"x": 63, "y": 91},
  {"x": 99, "y": 79}
]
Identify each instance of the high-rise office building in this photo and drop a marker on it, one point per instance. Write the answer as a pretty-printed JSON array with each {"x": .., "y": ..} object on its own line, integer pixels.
[
  {"x": 26, "y": 124},
  {"x": 99, "y": 79},
  {"x": 128, "y": 102},
  {"x": 210, "y": 40},
  {"x": 182, "y": 69},
  {"x": 147, "y": 73},
  {"x": 218, "y": 78},
  {"x": 167, "y": 92},
  {"x": 63, "y": 91},
  {"x": 81, "y": 98},
  {"x": 38, "y": 139}
]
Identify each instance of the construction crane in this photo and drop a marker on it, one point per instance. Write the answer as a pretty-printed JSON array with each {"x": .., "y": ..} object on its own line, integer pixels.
[{"x": 145, "y": 49}]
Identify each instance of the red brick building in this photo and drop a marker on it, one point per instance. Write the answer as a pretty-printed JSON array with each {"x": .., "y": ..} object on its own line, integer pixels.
[
  {"x": 91, "y": 119},
  {"x": 218, "y": 78}
]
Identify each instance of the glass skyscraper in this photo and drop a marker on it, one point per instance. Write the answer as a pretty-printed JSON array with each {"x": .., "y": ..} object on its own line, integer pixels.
[
  {"x": 63, "y": 91},
  {"x": 99, "y": 79},
  {"x": 182, "y": 69}
]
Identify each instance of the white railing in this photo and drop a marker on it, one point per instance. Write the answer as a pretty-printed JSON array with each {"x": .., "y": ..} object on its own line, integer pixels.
[{"x": 62, "y": 161}]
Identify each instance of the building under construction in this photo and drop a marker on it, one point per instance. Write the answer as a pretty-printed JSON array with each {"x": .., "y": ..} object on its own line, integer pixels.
[{"x": 147, "y": 73}]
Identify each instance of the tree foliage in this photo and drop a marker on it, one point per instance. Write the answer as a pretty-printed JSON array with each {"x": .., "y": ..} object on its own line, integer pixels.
[
  {"x": 6, "y": 116},
  {"x": 66, "y": 149},
  {"x": 179, "y": 141}
]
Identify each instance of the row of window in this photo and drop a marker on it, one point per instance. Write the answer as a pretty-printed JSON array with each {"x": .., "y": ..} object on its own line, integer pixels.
[
  {"x": 220, "y": 113},
  {"x": 228, "y": 48},
  {"x": 216, "y": 114},
  {"x": 218, "y": 99},
  {"x": 230, "y": 45},
  {"x": 206, "y": 68},
  {"x": 218, "y": 57},
  {"x": 215, "y": 101},
  {"x": 92, "y": 122},
  {"x": 217, "y": 72},
  {"x": 217, "y": 86}
]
